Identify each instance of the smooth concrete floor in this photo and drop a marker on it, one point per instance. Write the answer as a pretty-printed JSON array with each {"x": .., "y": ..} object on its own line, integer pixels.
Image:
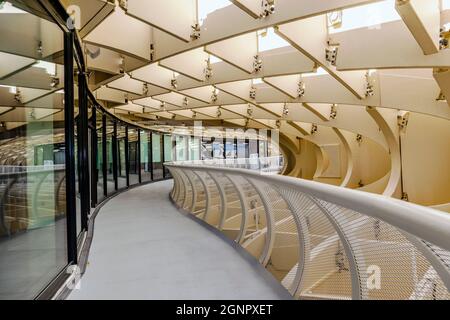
[{"x": 144, "y": 248}]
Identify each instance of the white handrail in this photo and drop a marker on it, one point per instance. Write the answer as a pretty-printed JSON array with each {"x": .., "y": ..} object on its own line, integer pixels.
[{"x": 426, "y": 223}]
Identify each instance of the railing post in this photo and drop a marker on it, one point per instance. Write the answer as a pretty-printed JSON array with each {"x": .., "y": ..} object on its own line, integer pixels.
[
  {"x": 70, "y": 147},
  {"x": 270, "y": 222},
  {"x": 359, "y": 291},
  {"x": 304, "y": 237},
  {"x": 104, "y": 156},
  {"x": 207, "y": 195},
  {"x": 114, "y": 141},
  {"x": 244, "y": 208},
  {"x": 83, "y": 150},
  {"x": 127, "y": 158},
  {"x": 150, "y": 150},
  {"x": 138, "y": 156},
  {"x": 224, "y": 205},
  {"x": 94, "y": 156}
]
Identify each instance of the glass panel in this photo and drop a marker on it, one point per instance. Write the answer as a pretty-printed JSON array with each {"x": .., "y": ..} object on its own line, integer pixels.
[
  {"x": 157, "y": 159},
  {"x": 241, "y": 149},
  {"x": 145, "y": 156},
  {"x": 77, "y": 174},
  {"x": 194, "y": 153},
  {"x": 230, "y": 150},
  {"x": 109, "y": 156},
  {"x": 99, "y": 171},
  {"x": 262, "y": 149},
  {"x": 207, "y": 149},
  {"x": 121, "y": 161},
  {"x": 253, "y": 149},
  {"x": 32, "y": 154},
  {"x": 133, "y": 156},
  {"x": 181, "y": 148},
  {"x": 168, "y": 152},
  {"x": 217, "y": 149}
]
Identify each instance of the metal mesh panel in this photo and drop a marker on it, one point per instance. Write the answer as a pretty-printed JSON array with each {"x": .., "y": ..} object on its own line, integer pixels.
[
  {"x": 232, "y": 216},
  {"x": 385, "y": 258},
  {"x": 326, "y": 272},
  {"x": 211, "y": 204},
  {"x": 315, "y": 248}
]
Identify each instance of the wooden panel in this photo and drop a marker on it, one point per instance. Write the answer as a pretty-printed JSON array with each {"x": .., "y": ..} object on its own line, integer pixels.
[
  {"x": 172, "y": 16},
  {"x": 134, "y": 39},
  {"x": 423, "y": 19},
  {"x": 128, "y": 85},
  {"x": 389, "y": 46},
  {"x": 310, "y": 36},
  {"x": 10, "y": 63},
  {"x": 191, "y": 63},
  {"x": 238, "y": 51}
]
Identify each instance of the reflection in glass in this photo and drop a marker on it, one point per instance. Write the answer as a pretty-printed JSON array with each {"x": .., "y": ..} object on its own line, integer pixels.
[
  {"x": 109, "y": 155},
  {"x": 194, "y": 145},
  {"x": 145, "y": 150},
  {"x": 99, "y": 160},
  {"x": 168, "y": 152},
  {"x": 157, "y": 159},
  {"x": 121, "y": 159},
  {"x": 133, "y": 149},
  {"x": 33, "y": 238}
]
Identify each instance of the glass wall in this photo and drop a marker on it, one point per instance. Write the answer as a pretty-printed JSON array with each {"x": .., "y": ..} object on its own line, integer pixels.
[
  {"x": 157, "y": 156},
  {"x": 207, "y": 148},
  {"x": 181, "y": 148},
  {"x": 33, "y": 232},
  {"x": 121, "y": 158},
  {"x": 98, "y": 175},
  {"x": 230, "y": 149},
  {"x": 169, "y": 151},
  {"x": 194, "y": 146},
  {"x": 145, "y": 150},
  {"x": 133, "y": 156},
  {"x": 110, "y": 184}
]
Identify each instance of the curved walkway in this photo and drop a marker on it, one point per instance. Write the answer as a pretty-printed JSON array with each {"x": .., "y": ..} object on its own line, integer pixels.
[{"x": 144, "y": 248}]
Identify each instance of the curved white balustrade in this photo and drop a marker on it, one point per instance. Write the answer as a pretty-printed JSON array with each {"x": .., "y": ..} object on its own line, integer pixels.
[{"x": 318, "y": 240}]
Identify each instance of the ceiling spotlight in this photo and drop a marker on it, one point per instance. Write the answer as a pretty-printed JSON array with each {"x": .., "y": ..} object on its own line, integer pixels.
[
  {"x": 208, "y": 70},
  {"x": 252, "y": 93},
  {"x": 54, "y": 82},
  {"x": 331, "y": 55},
  {"x": 257, "y": 64},
  {"x": 370, "y": 90},
  {"x": 268, "y": 8},
  {"x": 333, "y": 112},
  {"x": 249, "y": 110},
  {"x": 214, "y": 95},
  {"x": 145, "y": 89},
  {"x": 285, "y": 110},
  {"x": 359, "y": 138},
  {"x": 195, "y": 31},
  {"x": 301, "y": 89}
]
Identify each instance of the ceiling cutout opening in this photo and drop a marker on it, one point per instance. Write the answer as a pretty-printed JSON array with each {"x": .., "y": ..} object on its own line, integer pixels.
[
  {"x": 366, "y": 16},
  {"x": 206, "y": 7},
  {"x": 269, "y": 40}
]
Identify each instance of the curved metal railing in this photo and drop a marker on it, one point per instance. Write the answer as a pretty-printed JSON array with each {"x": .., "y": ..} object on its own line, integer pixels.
[
  {"x": 269, "y": 165},
  {"x": 322, "y": 241},
  {"x": 30, "y": 197}
]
